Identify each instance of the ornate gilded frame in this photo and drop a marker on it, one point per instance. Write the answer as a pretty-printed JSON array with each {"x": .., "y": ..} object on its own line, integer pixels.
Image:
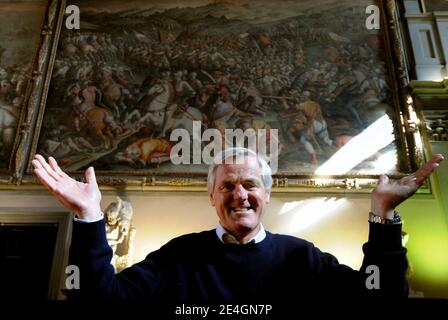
[
  {"x": 410, "y": 141},
  {"x": 34, "y": 99}
]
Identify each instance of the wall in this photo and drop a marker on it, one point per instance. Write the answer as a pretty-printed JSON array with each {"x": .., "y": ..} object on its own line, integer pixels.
[
  {"x": 334, "y": 224},
  {"x": 428, "y": 36}
]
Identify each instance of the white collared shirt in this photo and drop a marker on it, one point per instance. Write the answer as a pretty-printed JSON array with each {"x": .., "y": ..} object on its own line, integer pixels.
[
  {"x": 100, "y": 217},
  {"x": 258, "y": 237}
]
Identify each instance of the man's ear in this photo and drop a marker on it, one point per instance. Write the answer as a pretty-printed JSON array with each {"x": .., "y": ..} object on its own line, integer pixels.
[
  {"x": 268, "y": 196},
  {"x": 212, "y": 199}
]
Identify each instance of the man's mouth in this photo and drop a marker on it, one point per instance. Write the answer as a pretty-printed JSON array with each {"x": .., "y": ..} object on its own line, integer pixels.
[{"x": 242, "y": 210}]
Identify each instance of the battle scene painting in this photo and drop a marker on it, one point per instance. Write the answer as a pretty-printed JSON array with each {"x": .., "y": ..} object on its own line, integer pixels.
[
  {"x": 137, "y": 70},
  {"x": 19, "y": 40}
]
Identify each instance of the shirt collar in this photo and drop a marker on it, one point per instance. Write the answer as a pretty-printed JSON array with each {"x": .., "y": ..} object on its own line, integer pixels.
[{"x": 258, "y": 237}]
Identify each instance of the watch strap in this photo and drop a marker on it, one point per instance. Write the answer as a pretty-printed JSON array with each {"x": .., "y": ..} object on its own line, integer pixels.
[{"x": 377, "y": 219}]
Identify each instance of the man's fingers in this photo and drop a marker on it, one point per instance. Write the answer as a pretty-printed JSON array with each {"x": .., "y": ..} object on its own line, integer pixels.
[
  {"x": 36, "y": 164},
  {"x": 47, "y": 180},
  {"x": 90, "y": 176},
  {"x": 45, "y": 166},
  {"x": 409, "y": 180},
  {"x": 38, "y": 158},
  {"x": 42, "y": 173},
  {"x": 50, "y": 183},
  {"x": 425, "y": 171},
  {"x": 383, "y": 179},
  {"x": 437, "y": 158},
  {"x": 54, "y": 165}
]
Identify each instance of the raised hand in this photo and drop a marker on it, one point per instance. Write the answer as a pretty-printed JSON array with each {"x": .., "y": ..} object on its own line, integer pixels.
[
  {"x": 83, "y": 199},
  {"x": 387, "y": 196}
]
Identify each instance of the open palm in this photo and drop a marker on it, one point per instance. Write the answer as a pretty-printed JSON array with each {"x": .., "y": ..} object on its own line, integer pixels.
[
  {"x": 388, "y": 195},
  {"x": 83, "y": 199}
]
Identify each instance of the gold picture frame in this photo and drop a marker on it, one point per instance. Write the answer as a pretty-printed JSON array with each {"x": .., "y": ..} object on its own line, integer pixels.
[
  {"x": 130, "y": 47},
  {"x": 30, "y": 35}
]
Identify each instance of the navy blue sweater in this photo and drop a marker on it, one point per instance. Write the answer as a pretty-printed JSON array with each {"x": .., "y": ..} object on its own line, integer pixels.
[{"x": 198, "y": 267}]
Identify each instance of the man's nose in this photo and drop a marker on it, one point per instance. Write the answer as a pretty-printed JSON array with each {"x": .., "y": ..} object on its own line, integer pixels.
[{"x": 239, "y": 193}]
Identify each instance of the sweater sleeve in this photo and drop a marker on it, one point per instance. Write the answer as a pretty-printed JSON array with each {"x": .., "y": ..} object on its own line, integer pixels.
[
  {"x": 384, "y": 251},
  {"x": 383, "y": 271},
  {"x": 91, "y": 253}
]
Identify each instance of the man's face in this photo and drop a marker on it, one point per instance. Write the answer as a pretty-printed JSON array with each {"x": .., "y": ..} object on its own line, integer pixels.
[{"x": 239, "y": 196}]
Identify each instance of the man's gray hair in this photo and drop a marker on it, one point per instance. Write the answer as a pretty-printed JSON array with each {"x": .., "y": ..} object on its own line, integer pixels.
[{"x": 220, "y": 158}]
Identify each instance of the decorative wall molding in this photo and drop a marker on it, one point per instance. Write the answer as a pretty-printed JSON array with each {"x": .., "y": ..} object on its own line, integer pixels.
[
  {"x": 429, "y": 40},
  {"x": 430, "y": 89},
  {"x": 436, "y": 122}
]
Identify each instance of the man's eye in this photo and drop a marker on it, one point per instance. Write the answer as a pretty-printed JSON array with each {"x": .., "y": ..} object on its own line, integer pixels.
[
  {"x": 249, "y": 185},
  {"x": 227, "y": 186}
]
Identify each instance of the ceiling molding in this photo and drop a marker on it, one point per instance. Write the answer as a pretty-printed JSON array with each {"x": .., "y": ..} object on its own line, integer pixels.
[{"x": 430, "y": 89}]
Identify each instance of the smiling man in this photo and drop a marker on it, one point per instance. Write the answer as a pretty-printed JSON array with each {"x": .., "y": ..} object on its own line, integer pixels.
[
  {"x": 240, "y": 190},
  {"x": 239, "y": 260}
]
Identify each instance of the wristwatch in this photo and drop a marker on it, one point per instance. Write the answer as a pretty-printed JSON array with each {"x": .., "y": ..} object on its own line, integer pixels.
[{"x": 377, "y": 219}]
